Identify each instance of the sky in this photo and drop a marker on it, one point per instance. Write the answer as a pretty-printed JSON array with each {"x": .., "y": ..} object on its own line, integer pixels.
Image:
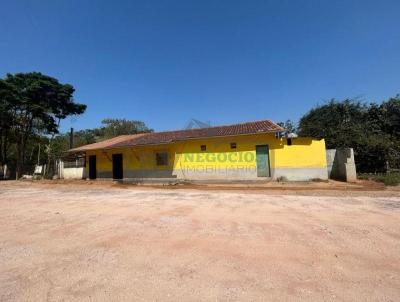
[{"x": 223, "y": 62}]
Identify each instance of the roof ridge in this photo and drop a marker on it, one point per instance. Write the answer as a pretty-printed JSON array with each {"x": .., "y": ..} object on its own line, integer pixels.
[
  {"x": 225, "y": 125},
  {"x": 162, "y": 137}
]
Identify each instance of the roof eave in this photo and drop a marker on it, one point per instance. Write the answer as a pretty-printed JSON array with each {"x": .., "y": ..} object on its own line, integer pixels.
[{"x": 189, "y": 138}]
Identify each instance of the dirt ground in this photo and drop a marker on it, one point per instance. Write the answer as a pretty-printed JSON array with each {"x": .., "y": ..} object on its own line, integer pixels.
[{"x": 101, "y": 242}]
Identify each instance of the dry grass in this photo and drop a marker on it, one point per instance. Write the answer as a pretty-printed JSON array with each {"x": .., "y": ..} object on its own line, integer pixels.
[{"x": 93, "y": 242}]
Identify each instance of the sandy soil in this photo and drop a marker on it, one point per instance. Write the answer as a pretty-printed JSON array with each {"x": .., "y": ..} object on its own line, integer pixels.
[{"x": 72, "y": 242}]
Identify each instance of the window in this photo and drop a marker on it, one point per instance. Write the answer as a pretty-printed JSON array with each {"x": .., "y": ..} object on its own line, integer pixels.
[
  {"x": 289, "y": 141},
  {"x": 203, "y": 147},
  {"x": 233, "y": 145},
  {"x": 162, "y": 159}
]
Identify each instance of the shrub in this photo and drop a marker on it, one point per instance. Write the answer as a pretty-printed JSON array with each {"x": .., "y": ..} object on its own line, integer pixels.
[{"x": 389, "y": 179}]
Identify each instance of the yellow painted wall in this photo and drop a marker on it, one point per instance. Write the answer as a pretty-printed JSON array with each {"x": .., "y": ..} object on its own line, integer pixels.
[{"x": 303, "y": 153}]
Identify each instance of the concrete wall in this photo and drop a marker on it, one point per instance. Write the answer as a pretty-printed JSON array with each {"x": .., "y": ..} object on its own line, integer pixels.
[
  {"x": 305, "y": 159},
  {"x": 341, "y": 164},
  {"x": 71, "y": 172},
  {"x": 74, "y": 173}
]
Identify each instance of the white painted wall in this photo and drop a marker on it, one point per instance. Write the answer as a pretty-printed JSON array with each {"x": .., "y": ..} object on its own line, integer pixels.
[{"x": 73, "y": 173}]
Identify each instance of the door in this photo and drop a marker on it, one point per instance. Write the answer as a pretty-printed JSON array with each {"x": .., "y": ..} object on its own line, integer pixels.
[
  {"x": 92, "y": 167},
  {"x": 117, "y": 166},
  {"x": 262, "y": 157}
]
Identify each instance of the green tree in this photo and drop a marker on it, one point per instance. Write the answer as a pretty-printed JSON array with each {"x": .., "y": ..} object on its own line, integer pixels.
[
  {"x": 289, "y": 126},
  {"x": 114, "y": 127},
  {"x": 340, "y": 123},
  {"x": 390, "y": 116},
  {"x": 85, "y": 137},
  {"x": 35, "y": 103},
  {"x": 372, "y": 130},
  {"x": 6, "y": 137},
  {"x": 110, "y": 128}
]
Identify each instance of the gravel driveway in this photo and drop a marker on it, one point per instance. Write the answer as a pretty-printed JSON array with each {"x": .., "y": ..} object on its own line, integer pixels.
[{"x": 83, "y": 243}]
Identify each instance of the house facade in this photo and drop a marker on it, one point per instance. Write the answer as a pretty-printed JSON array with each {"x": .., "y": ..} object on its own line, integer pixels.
[{"x": 248, "y": 151}]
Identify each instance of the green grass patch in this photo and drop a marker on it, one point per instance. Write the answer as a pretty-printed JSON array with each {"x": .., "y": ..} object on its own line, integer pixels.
[{"x": 389, "y": 179}]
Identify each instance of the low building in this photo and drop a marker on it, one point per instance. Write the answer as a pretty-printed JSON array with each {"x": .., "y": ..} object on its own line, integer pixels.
[{"x": 248, "y": 151}]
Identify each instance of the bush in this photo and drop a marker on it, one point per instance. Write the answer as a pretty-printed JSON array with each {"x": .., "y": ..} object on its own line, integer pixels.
[{"x": 389, "y": 179}]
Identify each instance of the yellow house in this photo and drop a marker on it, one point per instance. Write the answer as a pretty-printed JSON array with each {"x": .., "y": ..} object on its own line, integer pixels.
[{"x": 247, "y": 151}]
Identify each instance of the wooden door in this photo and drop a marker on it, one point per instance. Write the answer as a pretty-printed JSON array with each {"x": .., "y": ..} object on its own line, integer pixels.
[
  {"x": 92, "y": 167},
  {"x": 262, "y": 157},
  {"x": 118, "y": 170}
]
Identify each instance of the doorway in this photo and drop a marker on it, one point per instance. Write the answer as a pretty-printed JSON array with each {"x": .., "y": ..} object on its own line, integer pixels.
[
  {"x": 117, "y": 166},
  {"x": 92, "y": 167},
  {"x": 262, "y": 158}
]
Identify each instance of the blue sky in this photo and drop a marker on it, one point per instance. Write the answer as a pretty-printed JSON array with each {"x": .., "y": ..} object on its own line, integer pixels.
[{"x": 165, "y": 62}]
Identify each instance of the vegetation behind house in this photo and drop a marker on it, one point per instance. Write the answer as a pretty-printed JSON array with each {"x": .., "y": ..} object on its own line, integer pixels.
[{"x": 32, "y": 106}]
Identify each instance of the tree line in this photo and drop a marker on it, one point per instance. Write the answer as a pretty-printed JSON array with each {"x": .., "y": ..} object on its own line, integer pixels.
[
  {"x": 32, "y": 105},
  {"x": 110, "y": 127},
  {"x": 372, "y": 130}
]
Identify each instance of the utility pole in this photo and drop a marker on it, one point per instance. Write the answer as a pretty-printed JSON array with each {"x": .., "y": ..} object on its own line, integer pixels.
[{"x": 71, "y": 138}]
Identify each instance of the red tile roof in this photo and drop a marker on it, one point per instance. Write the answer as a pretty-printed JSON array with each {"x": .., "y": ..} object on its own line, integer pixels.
[
  {"x": 107, "y": 143},
  {"x": 265, "y": 126}
]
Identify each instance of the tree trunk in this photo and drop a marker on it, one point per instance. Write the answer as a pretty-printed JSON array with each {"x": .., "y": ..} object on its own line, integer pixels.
[
  {"x": 21, "y": 145},
  {"x": 49, "y": 150},
  {"x": 3, "y": 147},
  {"x": 18, "y": 168},
  {"x": 5, "y": 171}
]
